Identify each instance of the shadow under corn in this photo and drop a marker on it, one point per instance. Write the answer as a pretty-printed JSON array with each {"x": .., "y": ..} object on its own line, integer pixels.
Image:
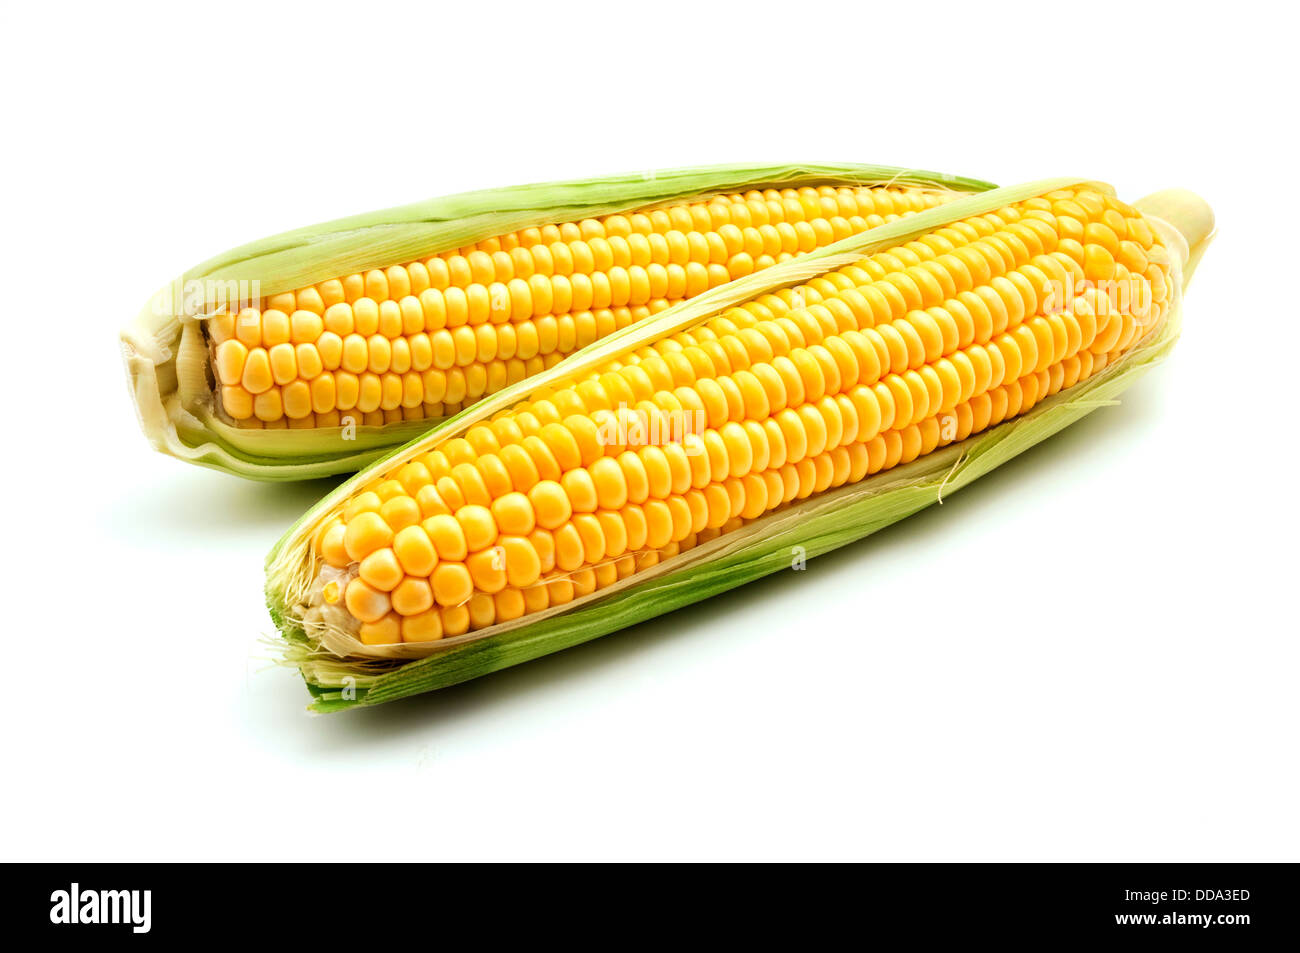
[{"x": 188, "y": 504}]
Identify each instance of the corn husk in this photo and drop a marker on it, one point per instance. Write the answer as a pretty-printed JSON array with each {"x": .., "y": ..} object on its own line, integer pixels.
[
  {"x": 342, "y": 674},
  {"x": 166, "y": 353}
]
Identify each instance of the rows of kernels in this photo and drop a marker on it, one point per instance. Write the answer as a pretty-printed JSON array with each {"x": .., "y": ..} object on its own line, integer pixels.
[
  {"x": 591, "y": 550},
  {"x": 903, "y": 335},
  {"x": 463, "y": 324},
  {"x": 539, "y": 505}
]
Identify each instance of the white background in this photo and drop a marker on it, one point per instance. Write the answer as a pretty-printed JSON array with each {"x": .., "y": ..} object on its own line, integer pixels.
[{"x": 1090, "y": 654}]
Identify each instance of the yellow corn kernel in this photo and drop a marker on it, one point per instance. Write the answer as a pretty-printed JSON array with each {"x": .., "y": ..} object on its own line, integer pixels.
[
  {"x": 415, "y": 551},
  {"x": 412, "y": 596},
  {"x": 365, "y": 533},
  {"x": 381, "y": 570},
  {"x": 381, "y": 631},
  {"x": 452, "y": 583},
  {"x": 423, "y": 627},
  {"x": 367, "y": 604}
]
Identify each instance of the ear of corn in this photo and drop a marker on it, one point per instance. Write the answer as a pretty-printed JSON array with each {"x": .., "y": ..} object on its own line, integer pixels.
[
  {"x": 317, "y": 351},
  {"x": 822, "y": 399}
]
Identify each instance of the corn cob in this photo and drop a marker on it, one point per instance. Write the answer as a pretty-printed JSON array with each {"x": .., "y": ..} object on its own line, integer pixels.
[
  {"x": 805, "y": 406},
  {"x": 348, "y": 339}
]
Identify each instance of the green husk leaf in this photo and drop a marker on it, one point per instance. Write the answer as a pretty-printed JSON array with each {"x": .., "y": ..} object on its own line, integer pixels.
[
  {"x": 167, "y": 366},
  {"x": 818, "y": 524}
]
